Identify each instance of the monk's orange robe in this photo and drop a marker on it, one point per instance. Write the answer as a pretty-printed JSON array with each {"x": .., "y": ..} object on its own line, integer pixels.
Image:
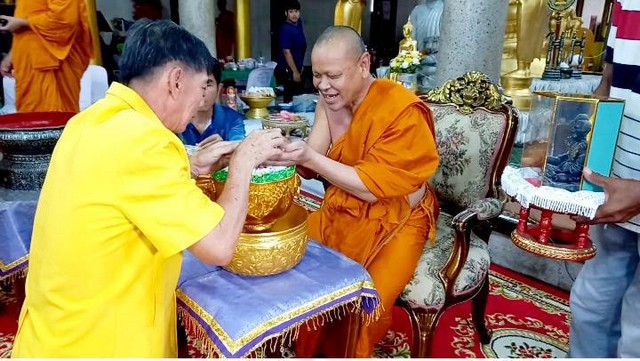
[
  {"x": 50, "y": 57},
  {"x": 391, "y": 144}
]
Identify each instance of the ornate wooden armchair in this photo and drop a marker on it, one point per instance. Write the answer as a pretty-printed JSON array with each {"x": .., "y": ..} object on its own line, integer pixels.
[{"x": 475, "y": 131}]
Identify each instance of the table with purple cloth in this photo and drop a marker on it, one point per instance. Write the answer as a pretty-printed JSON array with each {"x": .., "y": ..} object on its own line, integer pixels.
[
  {"x": 17, "y": 209},
  {"x": 233, "y": 316}
]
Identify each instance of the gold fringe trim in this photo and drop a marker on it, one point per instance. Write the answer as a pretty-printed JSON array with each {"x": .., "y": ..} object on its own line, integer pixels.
[
  {"x": 21, "y": 273},
  {"x": 209, "y": 349}
]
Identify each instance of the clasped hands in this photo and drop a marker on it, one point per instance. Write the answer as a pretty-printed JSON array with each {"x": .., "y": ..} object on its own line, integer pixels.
[{"x": 262, "y": 146}]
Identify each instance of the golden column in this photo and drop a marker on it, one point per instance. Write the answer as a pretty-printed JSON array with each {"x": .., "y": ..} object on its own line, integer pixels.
[
  {"x": 95, "y": 34},
  {"x": 243, "y": 29}
]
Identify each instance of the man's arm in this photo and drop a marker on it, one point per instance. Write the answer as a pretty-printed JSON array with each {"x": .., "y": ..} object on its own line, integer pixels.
[
  {"x": 604, "y": 87},
  {"x": 319, "y": 138},
  {"x": 236, "y": 130},
  {"x": 292, "y": 65}
]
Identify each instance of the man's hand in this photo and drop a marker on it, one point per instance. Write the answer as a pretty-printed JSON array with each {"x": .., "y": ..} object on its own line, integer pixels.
[
  {"x": 296, "y": 152},
  {"x": 6, "y": 67},
  {"x": 212, "y": 157},
  {"x": 258, "y": 146},
  {"x": 296, "y": 76},
  {"x": 12, "y": 24},
  {"x": 622, "y": 199}
]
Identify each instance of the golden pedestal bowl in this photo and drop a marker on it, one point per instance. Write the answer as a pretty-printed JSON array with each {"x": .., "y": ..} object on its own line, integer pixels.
[
  {"x": 257, "y": 105},
  {"x": 272, "y": 121},
  {"x": 270, "y": 195},
  {"x": 275, "y": 251}
]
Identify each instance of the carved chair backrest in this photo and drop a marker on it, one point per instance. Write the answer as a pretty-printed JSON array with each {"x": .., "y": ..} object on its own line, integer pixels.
[{"x": 475, "y": 131}]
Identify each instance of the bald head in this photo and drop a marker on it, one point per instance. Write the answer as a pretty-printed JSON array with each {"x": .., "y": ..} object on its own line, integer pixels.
[{"x": 343, "y": 35}]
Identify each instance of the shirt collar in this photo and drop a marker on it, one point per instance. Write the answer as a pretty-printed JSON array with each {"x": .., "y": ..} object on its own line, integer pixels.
[{"x": 132, "y": 99}]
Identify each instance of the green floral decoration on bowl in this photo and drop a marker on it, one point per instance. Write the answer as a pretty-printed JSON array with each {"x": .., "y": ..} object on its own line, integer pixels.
[{"x": 280, "y": 174}]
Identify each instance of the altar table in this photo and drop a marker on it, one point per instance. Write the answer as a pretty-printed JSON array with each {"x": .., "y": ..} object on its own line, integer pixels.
[{"x": 233, "y": 315}]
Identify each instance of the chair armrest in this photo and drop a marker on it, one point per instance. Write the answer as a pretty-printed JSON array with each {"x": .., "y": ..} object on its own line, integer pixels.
[{"x": 482, "y": 210}]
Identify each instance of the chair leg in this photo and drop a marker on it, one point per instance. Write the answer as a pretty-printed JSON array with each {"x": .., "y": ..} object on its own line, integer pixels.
[
  {"x": 479, "y": 306},
  {"x": 426, "y": 325}
]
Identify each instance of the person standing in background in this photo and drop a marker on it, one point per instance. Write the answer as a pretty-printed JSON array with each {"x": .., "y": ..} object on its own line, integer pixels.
[
  {"x": 50, "y": 52},
  {"x": 225, "y": 31},
  {"x": 294, "y": 46}
]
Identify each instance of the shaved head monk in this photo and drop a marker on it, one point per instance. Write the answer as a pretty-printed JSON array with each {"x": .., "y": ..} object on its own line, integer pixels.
[
  {"x": 373, "y": 142},
  {"x": 50, "y": 52}
]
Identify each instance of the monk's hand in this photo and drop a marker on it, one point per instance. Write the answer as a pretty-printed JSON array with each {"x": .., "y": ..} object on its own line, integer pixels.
[
  {"x": 621, "y": 202},
  {"x": 260, "y": 145},
  {"x": 211, "y": 158},
  {"x": 295, "y": 152},
  {"x": 12, "y": 24},
  {"x": 6, "y": 67}
]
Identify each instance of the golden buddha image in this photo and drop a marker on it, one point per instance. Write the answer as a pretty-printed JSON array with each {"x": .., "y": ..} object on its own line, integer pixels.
[
  {"x": 349, "y": 13},
  {"x": 408, "y": 43}
]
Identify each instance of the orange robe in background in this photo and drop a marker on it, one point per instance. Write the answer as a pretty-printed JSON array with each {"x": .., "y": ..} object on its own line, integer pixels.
[
  {"x": 50, "y": 57},
  {"x": 391, "y": 144}
]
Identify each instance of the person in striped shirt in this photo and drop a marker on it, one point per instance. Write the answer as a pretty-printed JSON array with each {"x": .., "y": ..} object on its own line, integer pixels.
[{"x": 605, "y": 297}]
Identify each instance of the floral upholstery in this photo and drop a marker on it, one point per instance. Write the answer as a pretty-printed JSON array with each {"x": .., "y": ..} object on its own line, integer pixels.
[
  {"x": 475, "y": 130},
  {"x": 467, "y": 148},
  {"x": 487, "y": 208},
  {"x": 426, "y": 290}
]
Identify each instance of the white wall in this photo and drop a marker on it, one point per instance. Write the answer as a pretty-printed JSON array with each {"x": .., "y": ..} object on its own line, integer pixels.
[{"x": 592, "y": 7}]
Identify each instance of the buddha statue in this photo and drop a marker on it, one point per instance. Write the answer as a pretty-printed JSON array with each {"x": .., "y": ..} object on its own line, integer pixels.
[
  {"x": 425, "y": 18},
  {"x": 408, "y": 43},
  {"x": 531, "y": 25},
  {"x": 349, "y": 13}
]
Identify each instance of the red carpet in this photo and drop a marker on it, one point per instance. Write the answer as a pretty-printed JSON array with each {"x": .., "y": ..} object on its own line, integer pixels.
[{"x": 528, "y": 319}]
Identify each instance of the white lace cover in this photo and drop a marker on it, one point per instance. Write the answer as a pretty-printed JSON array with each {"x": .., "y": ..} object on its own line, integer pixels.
[{"x": 582, "y": 203}]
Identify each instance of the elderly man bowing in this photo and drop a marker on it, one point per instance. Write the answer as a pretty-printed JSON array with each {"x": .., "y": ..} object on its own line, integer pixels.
[
  {"x": 373, "y": 141},
  {"x": 118, "y": 207}
]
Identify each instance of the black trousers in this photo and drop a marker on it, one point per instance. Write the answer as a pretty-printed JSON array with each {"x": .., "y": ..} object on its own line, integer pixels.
[{"x": 291, "y": 88}]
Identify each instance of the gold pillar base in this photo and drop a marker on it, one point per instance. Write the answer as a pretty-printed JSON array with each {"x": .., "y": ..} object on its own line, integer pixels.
[{"x": 516, "y": 85}]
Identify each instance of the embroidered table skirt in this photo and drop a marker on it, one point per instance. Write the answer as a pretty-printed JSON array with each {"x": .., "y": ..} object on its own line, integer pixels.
[
  {"x": 233, "y": 315},
  {"x": 16, "y": 223}
]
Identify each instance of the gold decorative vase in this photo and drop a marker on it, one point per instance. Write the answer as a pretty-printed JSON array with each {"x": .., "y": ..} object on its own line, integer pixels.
[
  {"x": 268, "y": 253},
  {"x": 270, "y": 196},
  {"x": 257, "y": 105},
  {"x": 408, "y": 80}
]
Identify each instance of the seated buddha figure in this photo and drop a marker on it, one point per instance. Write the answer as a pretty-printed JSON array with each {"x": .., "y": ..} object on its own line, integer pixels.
[{"x": 408, "y": 43}]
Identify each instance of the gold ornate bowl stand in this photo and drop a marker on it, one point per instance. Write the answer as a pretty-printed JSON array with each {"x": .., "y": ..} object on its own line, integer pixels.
[{"x": 275, "y": 251}]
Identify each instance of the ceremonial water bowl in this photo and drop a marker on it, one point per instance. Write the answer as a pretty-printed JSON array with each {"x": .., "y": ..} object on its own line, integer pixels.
[
  {"x": 274, "y": 237},
  {"x": 26, "y": 143}
]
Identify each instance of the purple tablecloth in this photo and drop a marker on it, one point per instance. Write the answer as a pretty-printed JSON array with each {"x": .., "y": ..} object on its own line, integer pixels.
[
  {"x": 233, "y": 315},
  {"x": 16, "y": 223}
]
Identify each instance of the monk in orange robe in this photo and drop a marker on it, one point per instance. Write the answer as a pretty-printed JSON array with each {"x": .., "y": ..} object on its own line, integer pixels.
[
  {"x": 50, "y": 52},
  {"x": 373, "y": 141}
]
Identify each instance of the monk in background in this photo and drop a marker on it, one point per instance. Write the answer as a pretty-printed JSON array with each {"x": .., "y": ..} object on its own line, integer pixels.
[
  {"x": 373, "y": 142},
  {"x": 50, "y": 52}
]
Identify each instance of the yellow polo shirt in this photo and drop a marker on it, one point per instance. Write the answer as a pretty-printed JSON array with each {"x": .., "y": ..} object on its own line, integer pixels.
[{"x": 116, "y": 210}]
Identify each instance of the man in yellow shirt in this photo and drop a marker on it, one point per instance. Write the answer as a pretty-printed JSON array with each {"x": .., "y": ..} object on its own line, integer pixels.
[{"x": 119, "y": 206}]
